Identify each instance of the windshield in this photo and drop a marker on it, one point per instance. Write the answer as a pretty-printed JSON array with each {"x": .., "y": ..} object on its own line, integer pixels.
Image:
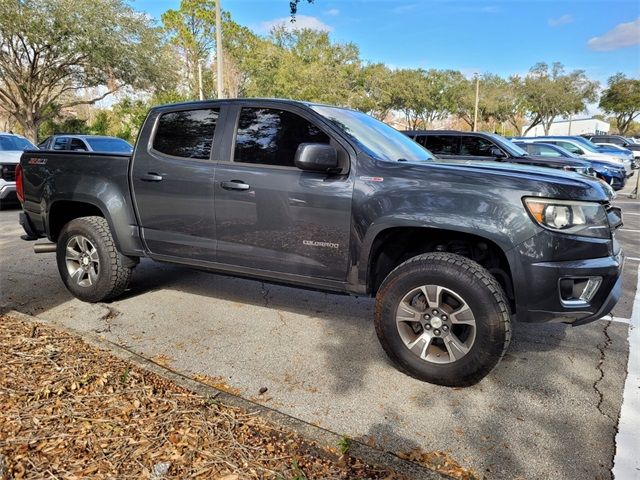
[
  {"x": 376, "y": 138},
  {"x": 509, "y": 146},
  {"x": 109, "y": 145},
  {"x": 9, "y": 142}
]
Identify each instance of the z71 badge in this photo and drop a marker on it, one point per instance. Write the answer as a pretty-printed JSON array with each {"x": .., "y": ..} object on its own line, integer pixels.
[{"x": 37, "y": 161}]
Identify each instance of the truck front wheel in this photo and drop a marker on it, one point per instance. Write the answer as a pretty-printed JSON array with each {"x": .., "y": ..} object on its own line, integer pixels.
[
  {"x": 443, "y": 318},
  {"x": 88, "y": 261}
]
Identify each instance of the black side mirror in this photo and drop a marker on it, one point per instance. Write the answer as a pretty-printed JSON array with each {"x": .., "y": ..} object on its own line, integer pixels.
[
  {"x": 496, "y": 152},
  {"x": 316, "y": 157}
]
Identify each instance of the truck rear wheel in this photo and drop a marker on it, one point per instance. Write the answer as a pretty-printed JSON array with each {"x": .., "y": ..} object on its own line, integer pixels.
[
  {"x": 443, "y": 318},
  {"x": 88, "y": 261}
]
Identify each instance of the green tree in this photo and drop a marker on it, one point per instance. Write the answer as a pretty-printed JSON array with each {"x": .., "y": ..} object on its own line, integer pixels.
[
  {"x": 377, "y": 91},
  {"x": 549, "y": 92},
  {"x": 192, "y": 30},
  {"x": 101, "y": 123},
  {"x": 302, "y": 64},
  {"x": 54, "y": 53},
  {"x": 621, "y": 98}
]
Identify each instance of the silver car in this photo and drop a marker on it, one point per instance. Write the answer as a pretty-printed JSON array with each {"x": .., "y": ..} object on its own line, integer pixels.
[{"x": 11, "y": 148}]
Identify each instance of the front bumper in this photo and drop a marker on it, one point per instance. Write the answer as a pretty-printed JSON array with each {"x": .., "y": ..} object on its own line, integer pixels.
[
  {"x": 8, "y": 191},
  {"x": 537, "y": 284}
]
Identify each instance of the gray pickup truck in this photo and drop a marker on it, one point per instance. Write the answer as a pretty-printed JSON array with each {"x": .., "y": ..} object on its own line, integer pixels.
[{"x": 330, "y": 198}]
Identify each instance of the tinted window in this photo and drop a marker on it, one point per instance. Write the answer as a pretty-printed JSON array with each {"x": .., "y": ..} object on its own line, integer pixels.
[
  {"x": 60, "y": 143},
  {"x": 271, "y": 137},
  {"x": 111, "y": 145},
  {"x": 570, "y": 146},
  {"x": 441, "y": 144},
  {"x": 78, "y": 145},
  {"x": 476, "y": 146},
  {"x": 544, "y": 151},
  {"x": 9, "y": 142},
  {"x": 187, "y": 134}
]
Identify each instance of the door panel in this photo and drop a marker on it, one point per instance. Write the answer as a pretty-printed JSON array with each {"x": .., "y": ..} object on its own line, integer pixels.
[
  {"x": 277, "y": 217},
  {"x": 173, "y": 185}
]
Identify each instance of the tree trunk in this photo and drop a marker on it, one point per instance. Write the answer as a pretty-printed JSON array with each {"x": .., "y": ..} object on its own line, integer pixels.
[{"x": 30, "y": 128}]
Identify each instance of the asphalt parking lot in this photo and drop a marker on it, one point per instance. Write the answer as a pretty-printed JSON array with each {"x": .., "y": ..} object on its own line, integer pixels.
[{"x": 549, "y": 410}]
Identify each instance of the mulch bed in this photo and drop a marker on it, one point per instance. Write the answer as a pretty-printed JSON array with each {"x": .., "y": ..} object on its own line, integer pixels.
[{"x": 69, "y": 410}]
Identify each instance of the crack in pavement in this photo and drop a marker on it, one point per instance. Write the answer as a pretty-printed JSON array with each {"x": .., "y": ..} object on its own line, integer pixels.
[
  {"x": 265, "y": 293},
  {"x": 602, "y": 348},
  {"x": 107, "y": 317}
]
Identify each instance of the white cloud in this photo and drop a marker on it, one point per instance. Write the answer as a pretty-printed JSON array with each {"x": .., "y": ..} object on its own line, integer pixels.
[
  {"x": 561, "y": 20},
  {"x": 623, "y": 35},
  {"x": 301, "y": 22},
  {"x": 332, "y": 12}
]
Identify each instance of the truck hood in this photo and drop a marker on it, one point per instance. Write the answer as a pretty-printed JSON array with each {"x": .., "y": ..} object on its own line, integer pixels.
[
  {"x": 543, "y": 181},
  {"x": 10, "y": 156}
]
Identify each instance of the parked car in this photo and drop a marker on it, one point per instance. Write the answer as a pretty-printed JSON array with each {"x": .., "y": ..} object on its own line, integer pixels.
[
  {"x": 454, "y": 145},
  {"x": 11, "y": 148},
  {"x": 86, "y": 143},
  {"x": 581, "y": 147},
  {"x": 626, "y": 151},
  {"x": 332, "y": 199},
  {"x": 611, "y": 172},
  {"x": 615, "y": 140}
]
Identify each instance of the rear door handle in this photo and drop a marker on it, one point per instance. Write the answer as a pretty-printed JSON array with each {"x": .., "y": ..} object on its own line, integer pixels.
[
  {"x": 235, "y": 185},
  {"x": 151, "y": 177}
]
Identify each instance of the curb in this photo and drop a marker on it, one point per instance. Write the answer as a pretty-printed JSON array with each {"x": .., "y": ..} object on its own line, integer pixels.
[{"x": 309, "y": 432}]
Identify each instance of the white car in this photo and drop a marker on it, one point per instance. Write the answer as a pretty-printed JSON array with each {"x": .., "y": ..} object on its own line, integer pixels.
[
  {"x": 11, "y": 148},
  {"x": 582, "y": 148}
]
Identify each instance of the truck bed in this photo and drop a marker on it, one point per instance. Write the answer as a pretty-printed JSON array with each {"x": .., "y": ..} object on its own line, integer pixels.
[{"x": 97, "y": 180}]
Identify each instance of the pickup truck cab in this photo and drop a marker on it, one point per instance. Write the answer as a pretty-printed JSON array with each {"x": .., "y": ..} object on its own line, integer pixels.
[{"x": 330, "y": 198}]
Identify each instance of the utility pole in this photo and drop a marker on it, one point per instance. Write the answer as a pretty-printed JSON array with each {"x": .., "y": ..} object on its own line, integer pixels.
[
  {"x": 219, "y": 78},
  {"x": 200, "y": 95},
  {"x": 475, "y": 112}
]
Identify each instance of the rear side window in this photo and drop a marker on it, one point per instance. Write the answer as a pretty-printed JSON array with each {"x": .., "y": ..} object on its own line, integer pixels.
[
  {"x": 440, "y": 144},
  {"x": 476, "y": 147},
  {"x": 269, "y": 136},
  {"x": 187, "y": 134},
  {"x": 544, "y": 151},
  {"x": 571, "y": 147},
  {"x": 78, "y": 145},
  {"x": 60, "y": 143}
]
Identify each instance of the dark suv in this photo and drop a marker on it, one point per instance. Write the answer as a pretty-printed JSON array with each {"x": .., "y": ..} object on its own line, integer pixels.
[{"x": 456, "y": 145}]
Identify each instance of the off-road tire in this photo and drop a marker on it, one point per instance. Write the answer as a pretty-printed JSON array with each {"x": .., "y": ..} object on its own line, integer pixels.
[
  {"x": 482, "y": 293},
  {"x": 113, "y": 277}
]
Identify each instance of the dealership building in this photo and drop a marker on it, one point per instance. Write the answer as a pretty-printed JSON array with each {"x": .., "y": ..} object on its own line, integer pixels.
[{"x": 575, "y": 126}]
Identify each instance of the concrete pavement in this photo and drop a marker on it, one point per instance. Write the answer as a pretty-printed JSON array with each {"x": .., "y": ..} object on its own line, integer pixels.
[{"x": 549, "y": 410}]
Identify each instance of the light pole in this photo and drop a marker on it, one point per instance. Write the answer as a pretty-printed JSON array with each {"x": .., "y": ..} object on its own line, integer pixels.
[
  {"x": 475, "y": 110},
  {"x": 219, "y": 78},
  {"x": 200, "y": 95}
]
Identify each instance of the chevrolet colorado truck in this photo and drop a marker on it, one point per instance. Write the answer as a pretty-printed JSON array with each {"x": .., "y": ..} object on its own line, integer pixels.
[{"x": 332, "y": 199}]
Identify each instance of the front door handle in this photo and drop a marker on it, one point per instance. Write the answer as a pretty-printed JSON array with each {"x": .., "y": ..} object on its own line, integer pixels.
[
  {"x": 151, "y": 177},
  {"x": 235, "y": 185}
]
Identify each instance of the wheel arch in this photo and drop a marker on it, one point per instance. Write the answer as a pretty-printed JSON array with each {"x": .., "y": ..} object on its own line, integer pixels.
[
  {"x": 63, "y": 210},
  {"x": 393, "y": 245}
]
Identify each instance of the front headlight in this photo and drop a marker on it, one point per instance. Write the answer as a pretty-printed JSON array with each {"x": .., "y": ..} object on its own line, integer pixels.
[{"x": 568, "y": 216}]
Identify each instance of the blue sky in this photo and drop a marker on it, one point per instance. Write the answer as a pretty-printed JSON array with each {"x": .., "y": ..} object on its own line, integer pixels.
[{"x": 505, "y": 37}]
